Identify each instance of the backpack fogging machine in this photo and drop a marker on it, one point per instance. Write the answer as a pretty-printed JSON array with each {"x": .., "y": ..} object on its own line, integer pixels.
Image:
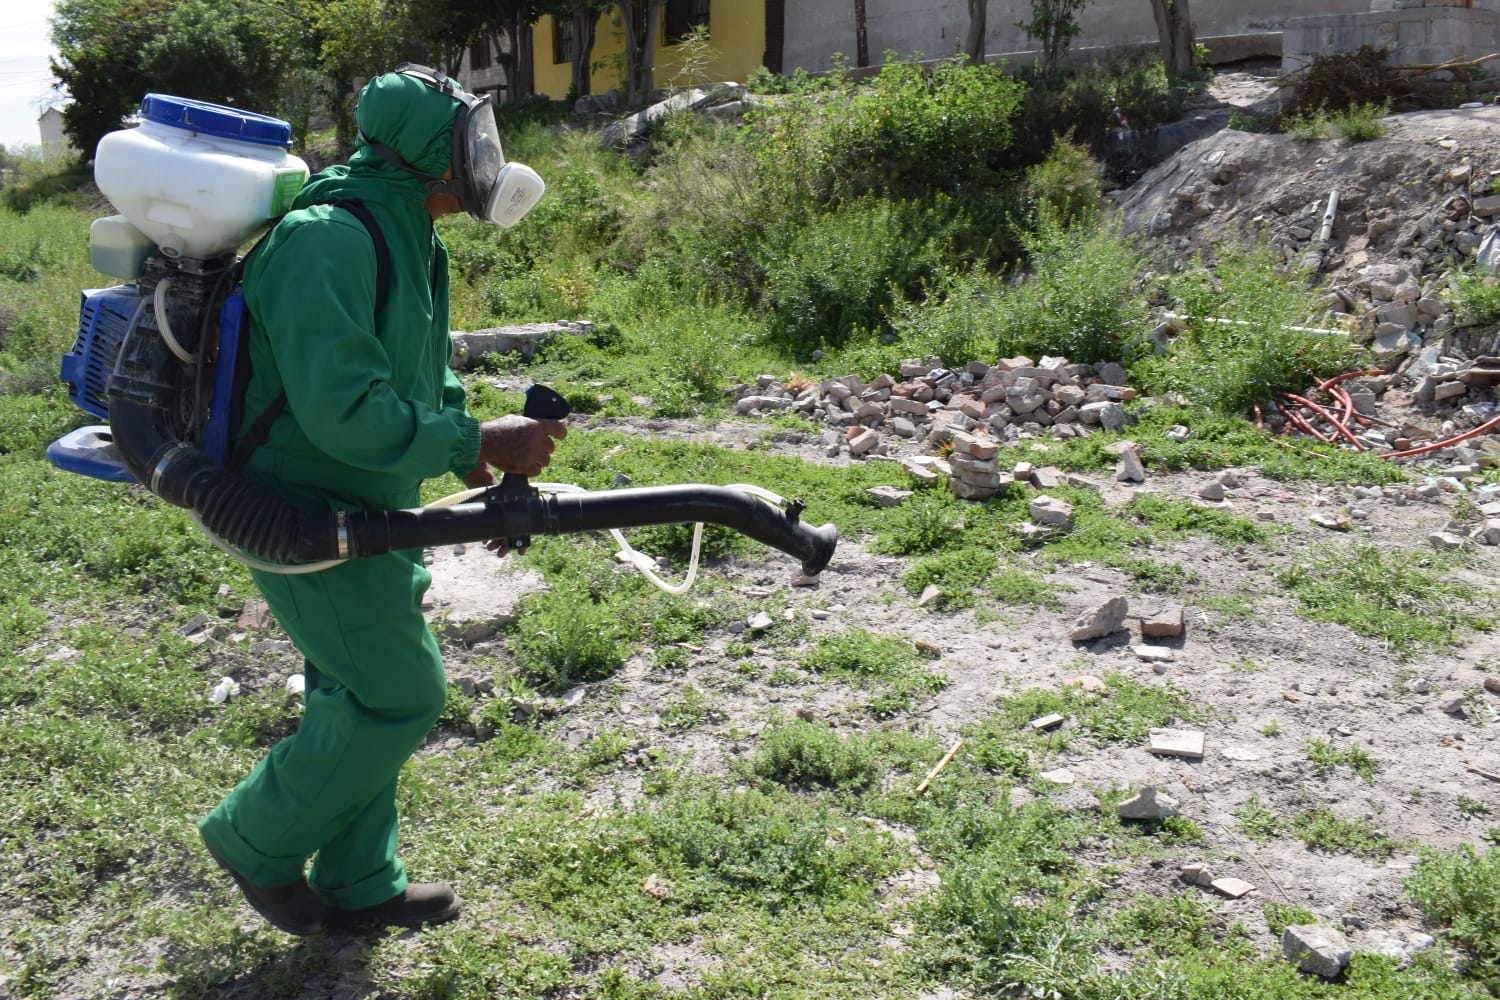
[{"x": 157, "y": 359}]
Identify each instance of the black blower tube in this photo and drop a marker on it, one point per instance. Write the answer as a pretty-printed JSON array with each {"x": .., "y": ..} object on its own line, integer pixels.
[{"x": 248, "y": 516}]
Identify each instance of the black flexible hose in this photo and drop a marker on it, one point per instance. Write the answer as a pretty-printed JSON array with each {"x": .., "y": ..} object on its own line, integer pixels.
[{"x": 251, "y": 517}]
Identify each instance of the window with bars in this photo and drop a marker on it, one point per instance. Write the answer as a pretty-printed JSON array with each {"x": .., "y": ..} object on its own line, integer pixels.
[
  {"x": 564, "y": 40},
  {"x": 682, "y": 16}
]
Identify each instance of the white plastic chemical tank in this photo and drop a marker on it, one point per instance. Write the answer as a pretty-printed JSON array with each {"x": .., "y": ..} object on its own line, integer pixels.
[{"x": 198, "y": 179}]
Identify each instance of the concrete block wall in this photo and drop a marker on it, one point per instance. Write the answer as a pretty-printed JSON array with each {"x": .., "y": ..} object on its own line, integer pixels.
[
  {"x": 1415, "y": 36},
  {"x": 936, "y": 28}
]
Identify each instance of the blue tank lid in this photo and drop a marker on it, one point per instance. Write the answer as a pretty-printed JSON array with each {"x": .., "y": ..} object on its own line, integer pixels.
[{"x": 216, "y": 120}]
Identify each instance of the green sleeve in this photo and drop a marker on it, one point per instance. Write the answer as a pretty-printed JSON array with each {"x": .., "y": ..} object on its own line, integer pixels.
[
  {"x": 369, "y": 398},
  {"x": 455, "y": 401}
]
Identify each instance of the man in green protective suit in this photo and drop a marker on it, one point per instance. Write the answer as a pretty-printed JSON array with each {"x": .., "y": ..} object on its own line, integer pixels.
[{"x": 354, "y": 383}]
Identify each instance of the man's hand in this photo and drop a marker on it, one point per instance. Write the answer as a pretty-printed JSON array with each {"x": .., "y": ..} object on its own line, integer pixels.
[
  {"x": 480, "y": 478},
  {"x": 513, "y": 444},
  {"x": 519, "y": 444}
]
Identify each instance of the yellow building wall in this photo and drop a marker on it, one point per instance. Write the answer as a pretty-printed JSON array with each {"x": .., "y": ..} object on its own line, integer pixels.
[{"x": 737, "y": 33}]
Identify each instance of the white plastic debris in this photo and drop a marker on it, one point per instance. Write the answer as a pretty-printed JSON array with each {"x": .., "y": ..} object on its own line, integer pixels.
[
  {"x": 223, "y": 691},
  {"x": 296, "y": 684}
]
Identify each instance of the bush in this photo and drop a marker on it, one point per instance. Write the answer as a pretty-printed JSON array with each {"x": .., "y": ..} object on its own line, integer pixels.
[
  {"x": 1231, "y": 364},
  {"x": 563, "y": 638},
  {"x": 800, "y": 754},
  {"x": 908, "y": 131},
  {"x": 1080, "y": 298},
  {"x": 841, "y": 274},
  {"x": 954, "y": 320},
  {"x": 1461, "y": 890},
  {"x": 1065, "y": 186},
  {"x": 1086, "y": 102},
  {"x": 1475, "y": 296},
  {"x": 1361, "y": 122}
]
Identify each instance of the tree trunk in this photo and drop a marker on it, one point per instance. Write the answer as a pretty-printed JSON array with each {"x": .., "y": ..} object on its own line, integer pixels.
[
  {"x": 522, "y": 86},
  {"x": 583, "y": 51},
  {"x": 640, "y": 48},
  {"x": 1174, "y": 29},
  {"x": 508, "y": 36},
  {"x": 974, "y": 37},
  {"x": 861, "y": 35},
  {"x": 647, "y": 65}
]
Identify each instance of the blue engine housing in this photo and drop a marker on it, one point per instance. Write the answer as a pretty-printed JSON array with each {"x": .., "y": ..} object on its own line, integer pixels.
[{"x": 105, "y": 317}]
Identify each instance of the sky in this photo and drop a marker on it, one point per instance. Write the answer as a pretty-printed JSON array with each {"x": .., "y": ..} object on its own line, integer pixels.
[{"x": 25, "y": 80}]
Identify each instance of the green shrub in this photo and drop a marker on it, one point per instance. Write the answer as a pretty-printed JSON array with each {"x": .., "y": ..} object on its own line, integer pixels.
[
  {"x": 1240, "y": 347},
  {"x": 953, "y": 319},
  {"x": 1080, "y": 298},
  {"x": 1361, "y": 122},
  {"x": 1474, "y": 295},
  {"x": 800, "y": 754},
  {"x": 1308, "y": 126},
  {"x": 563, "y": 638},
  {"x": 1241, "y": 121},
  {"x": 1065, "y": 186},
  {"x": 929, "y": 521},
  {"x": 840, "y": 275},
  {"x": 1461, "y": 890}
]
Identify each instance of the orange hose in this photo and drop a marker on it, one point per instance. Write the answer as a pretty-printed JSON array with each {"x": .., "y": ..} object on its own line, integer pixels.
[
  {"x": 1328, "y": 417},
  {"x": 1439, "y": 445},
  {"x": 1298, "y": 421}
]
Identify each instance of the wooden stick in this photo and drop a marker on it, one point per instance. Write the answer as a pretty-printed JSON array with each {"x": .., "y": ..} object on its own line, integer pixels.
[
  {"x": 947, "y": 757},
  {"x": 1418, "y": 69},
  {"x": 1484, "y": 774}
]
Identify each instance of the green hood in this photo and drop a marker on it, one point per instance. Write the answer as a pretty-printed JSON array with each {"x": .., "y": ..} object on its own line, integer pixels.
[{"x": 408, "y": 116}]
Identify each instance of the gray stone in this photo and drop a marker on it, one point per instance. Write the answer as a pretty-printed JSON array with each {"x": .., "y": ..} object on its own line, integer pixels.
[
  {"x": 1175, "y": 742},
  {"x": 1148, "y": 804},
  {"x": 1104, "y": 619},
  {"x": 1052, "y": 511},
  {"x": 1130, "y": 469},
  {"x": 888, "y": 496},
  {"x": 1314, "y": 948}
]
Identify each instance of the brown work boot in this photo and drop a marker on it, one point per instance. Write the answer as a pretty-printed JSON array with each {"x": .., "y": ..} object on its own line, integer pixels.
[
  {"x": 293, "y": 908},
  {"x": 421, "y": 903}
]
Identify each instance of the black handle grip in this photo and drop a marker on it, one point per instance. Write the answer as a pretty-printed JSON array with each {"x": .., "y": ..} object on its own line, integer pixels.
[{"x": 542, "y": 403}]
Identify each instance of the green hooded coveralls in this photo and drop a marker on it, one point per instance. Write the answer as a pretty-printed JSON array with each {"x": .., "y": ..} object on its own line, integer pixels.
[{"x": 372, "y": 410}]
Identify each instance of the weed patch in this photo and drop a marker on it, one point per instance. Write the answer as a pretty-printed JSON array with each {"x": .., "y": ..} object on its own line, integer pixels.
[{"x": 1397, "y": 597}]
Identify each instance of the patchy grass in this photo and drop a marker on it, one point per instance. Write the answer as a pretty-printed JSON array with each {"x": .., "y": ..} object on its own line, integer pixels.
[{"x": 1400, "y": 598}]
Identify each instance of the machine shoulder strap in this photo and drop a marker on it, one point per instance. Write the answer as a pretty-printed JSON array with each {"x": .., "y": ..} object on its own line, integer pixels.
[{"x": 260, "y": 430}]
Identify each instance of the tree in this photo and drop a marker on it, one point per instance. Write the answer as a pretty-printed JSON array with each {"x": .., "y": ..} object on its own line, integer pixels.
[
  {"x": 356, "y": 40},
  {"x": 1174, "y": 26},
  {"x": 212, "y": 50},
  {"x": 1053, "y": 23},
  {"x": 98, "y": 45},
  {"x": 642, "y": 21},
  {"x": 974, "y": 37}
]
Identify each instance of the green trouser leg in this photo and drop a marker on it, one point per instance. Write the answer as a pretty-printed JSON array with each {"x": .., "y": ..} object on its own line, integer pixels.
[{"x": 375, "y": 686}]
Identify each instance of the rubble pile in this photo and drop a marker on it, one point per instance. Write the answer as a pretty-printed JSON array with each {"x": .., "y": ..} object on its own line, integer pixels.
[
  {"x": 972, "y": 410},
  {"x": 1377, "y": 226}
]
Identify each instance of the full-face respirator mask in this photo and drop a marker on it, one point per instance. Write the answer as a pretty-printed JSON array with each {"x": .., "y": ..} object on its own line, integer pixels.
[{"x": 487, "y": 187}]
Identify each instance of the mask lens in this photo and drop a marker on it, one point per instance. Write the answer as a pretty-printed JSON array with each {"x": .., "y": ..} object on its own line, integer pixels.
[{"x": 484, "y": 156}]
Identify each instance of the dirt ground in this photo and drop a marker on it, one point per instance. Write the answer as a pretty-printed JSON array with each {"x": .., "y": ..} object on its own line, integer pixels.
[
  {"x": 1312, "y": 681},
  {"x": 1273, "y": 671},
  {"x": 1438, "y": 771}
]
